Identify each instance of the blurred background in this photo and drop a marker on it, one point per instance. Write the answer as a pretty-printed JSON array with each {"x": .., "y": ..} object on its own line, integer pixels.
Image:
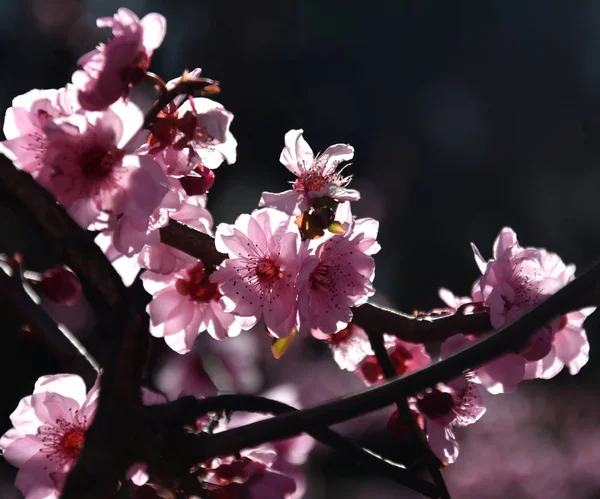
[{"x": 466, "y": 116}]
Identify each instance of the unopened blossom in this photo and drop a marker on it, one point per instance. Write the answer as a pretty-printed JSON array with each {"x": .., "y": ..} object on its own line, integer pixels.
[
  {"x": 194, "y": 135},
  {"x": 184, "y": 304},
  {"x": 24, "y": 123},
  {"x": 48, "y": 434},
  {"x": 406, "y": 358},
  {"x": 317, "y": 175},
  {"x": 258, "y": 279},
  {"x": 517, "y": 279},
  {"x": 336, "y": 277},
  {"x": 61, "y": 285},
  {"x": 113, "y": 67},
  {"x": 88, "y": 170}
]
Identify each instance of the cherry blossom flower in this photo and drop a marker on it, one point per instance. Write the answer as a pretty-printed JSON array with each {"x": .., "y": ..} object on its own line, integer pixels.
[
  {"x": 112, "y": 68},
  {"x": 317, "y": 175},
  {"x": 456, "y": 404},
  {"x": 128, "y": 257},
  {"x": 24, "y": 124},
  {"x": 183, "y": 305},
  {"x": 257, "y": 280},
  {"x": 49, "y": 433},
  {"x": 517, "y": 279},
  {"x": 192, "y": 137},
  {"x": 336, "y": 277},
  {"x": 89, "y": 172}
]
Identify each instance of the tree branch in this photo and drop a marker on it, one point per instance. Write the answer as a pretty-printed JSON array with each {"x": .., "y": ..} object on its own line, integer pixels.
[
  {"x": 186, "y": 410},
  {"x": 582, "y": 292},
  {"x": 111, "y": 439},
  {"x": 415, "y": 329}
]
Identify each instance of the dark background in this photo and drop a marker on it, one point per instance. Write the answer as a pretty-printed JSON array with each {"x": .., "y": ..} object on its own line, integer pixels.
[{"x": 466, "y": 117}]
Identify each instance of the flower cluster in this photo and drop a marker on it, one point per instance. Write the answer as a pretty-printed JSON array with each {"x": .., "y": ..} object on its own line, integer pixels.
[
  {"x": 296, "y": 265},
  {"x": 511, "y": 283}
]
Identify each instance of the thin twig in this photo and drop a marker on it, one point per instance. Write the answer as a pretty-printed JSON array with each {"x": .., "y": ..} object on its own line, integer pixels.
[{"x": 186, "y": 86}]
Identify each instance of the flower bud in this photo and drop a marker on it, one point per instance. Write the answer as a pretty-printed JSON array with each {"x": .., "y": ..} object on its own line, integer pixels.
[{"x": 61, "y": 285}]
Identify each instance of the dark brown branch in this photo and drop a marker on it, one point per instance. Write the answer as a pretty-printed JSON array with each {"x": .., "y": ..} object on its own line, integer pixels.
[
  {"x": 111, "y": 439},
  {"x": 186, "y": 86},
  {"x": 419, "y": 329},
  {"x": 192, "y": 242},
  {"x": 415, "y": 329},
  {"x": 187, "y": 409},
  {"x": 582, "y": 292}
]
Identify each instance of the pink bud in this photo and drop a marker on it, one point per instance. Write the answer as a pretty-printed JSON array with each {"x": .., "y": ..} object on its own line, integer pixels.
[
  {"x": 200, "y": 180},
  {"x": 61, "y": 285}
]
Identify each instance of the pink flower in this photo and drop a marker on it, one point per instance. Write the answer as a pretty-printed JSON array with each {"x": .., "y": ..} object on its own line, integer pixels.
[
  {"x": 48, "y": 434},
  {"x": 195, "y": 135},
  {"x": 570, "y": 347},
  {"x": 24, "y": 124},
  {"x": 456, "y": 404},
  {"x": 336, "y": 277},
  {"x": 88, "y": 171},
  {"x": 138, "y": 245},
  {"x": 183, "y": 305},
  {"x": 317, "y": 175},
  {"x": 111, "y": 69},
  {"x": 250, "y": 479},
  {"x": 349, "y": 346},
  {"x": 501, "y": 375},
  {"x": 516, "y": 280},
  {"x": 257, "y": 280},
  {"x": 406, "y": 358}
]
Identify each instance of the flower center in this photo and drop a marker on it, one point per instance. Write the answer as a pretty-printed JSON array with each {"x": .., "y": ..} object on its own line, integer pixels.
[
  {"x": 97, "y": 163},
  {"x": 400, "y": 356},
  {"x": 312, "y": 180},
  {"x": 198, "y": 287},
  {"x": 267, "y": 270},
  {"x": 72, "y": 443},
  {"x": 62, "y": 442},
  {"x": 435, "y": 404}
]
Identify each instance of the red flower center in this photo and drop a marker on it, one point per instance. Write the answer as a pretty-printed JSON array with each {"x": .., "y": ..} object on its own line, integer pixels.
[
  {"x": 198, "y": 287},
  {"x": 72, "y": 442},
  {"x": 400, "y": 356},
  {"x": 267, "y": 269},
  {"x": 97, "y": 163},
  {"x": 435, "y": 404},
  {"x": 63, "y": 441}
]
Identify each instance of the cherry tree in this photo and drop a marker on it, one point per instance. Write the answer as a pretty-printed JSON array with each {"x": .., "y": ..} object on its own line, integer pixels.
[{"x": 124, "y": 196}]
